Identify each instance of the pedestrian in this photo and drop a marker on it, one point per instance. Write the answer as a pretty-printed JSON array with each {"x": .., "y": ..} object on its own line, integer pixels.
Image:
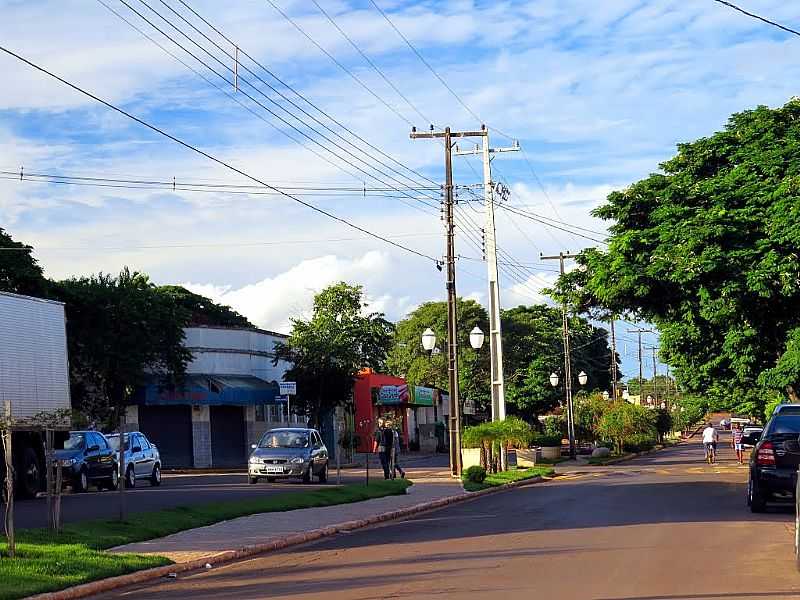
[
  {"x": 396, "y": 454},
  {"x": 736, "y": 442},
  {"x": 384, "y": 440}
]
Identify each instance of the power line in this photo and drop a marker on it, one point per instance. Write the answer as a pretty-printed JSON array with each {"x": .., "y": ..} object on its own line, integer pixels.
[
  {"x": 522, "y": 212},
  {"x": 760, "y": 18},
  {"x": 538, "y": 220},
  {"x": 210, "y": 156}
]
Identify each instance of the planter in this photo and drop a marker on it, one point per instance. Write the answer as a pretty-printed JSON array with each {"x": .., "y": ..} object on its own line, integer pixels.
[
  {"x": 526, "y": 457},
  {"x": 551, "y": 452},
  {"x": 470, "y": 457}
]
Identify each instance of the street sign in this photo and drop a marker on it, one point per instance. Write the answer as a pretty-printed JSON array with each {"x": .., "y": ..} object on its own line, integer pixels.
[
  {"x": 288, "y": 388},
  {"x": 281, "y": 398},
  {"x": 469, "y": 407}
]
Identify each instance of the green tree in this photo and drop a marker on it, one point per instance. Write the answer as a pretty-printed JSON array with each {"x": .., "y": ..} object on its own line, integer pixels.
[
  {"x": 589, "y": 410},
  {"x": 204, "y": 311},
  {"x": 408, "y": 359},
  {"x": 707, "y": 251},
  {"x": 118, "y": 329},
  {"x": 328, "y": 351},
  {"x": 623, "y": 423},
  {"x": 19, "y": 271}
]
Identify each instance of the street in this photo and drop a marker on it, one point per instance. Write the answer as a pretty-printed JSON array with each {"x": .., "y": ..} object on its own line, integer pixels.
[
  {"x": 666, "y": 526},
  {"x": 184, "y": 490}
]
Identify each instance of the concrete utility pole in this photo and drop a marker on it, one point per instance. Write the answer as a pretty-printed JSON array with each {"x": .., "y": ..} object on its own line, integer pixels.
[
  {"x": 567, "y": 360},
  {"x": 655, "y": 374},
  {"x": 613, "y": 360},
  {"x": 640, "y": 331},
  {"x": 452, "y": 318},
  {"x": 495, "y": 328}
]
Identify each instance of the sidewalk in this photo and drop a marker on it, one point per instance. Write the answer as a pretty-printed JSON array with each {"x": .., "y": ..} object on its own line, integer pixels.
[{"x": 265, "y": 528}]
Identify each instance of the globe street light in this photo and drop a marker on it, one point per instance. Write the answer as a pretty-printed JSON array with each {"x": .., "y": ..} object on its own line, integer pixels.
[
  {"x": 582, "y": 378},
  {"x": 605, "y": 395},
  {"x": 476, "y": 338},
  {"x": 553, "y": 379},
  {"x": 428, "y": 339}
]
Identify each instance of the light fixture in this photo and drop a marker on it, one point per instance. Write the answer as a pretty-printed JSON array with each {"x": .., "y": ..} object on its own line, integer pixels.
[
  {"x": 553, "y": 379},
  {"x": 582, "y": 378},
  {"x": 605, "y": 395},
  {"x": 476, "y": 338},
  {"x": 428, "y": 339}
]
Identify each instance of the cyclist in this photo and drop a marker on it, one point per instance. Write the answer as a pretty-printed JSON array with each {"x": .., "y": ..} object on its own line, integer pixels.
[{"x": 710, "y": 439}]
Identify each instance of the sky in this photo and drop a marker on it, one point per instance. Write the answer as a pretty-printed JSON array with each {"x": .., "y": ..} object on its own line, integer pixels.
[{"x": 597, "y": 94}]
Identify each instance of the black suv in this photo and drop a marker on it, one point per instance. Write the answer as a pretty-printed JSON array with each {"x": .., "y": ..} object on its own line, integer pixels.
[
  {"x": 88, "y": 458},
  {"x": 775, "y": 459}
]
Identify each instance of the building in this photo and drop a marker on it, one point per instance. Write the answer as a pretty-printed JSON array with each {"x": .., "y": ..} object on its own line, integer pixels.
[
  {"x": 414, "y": 409},
  {"x": 230, "y": 396}
]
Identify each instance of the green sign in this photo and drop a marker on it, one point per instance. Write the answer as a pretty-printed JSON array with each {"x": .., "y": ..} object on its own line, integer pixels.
[{"x": 423, "y": 396}]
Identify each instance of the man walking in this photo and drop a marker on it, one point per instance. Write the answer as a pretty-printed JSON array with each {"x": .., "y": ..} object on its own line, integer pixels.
[
  {"x": 396, "y": 453},
  {"x": 736, "y": 442},
  {"x": 385, "y": 441}
]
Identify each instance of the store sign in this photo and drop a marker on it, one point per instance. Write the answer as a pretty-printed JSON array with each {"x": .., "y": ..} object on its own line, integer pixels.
[
  {"x": 393, "y": 394},
  {"x": 288, "y": 388},
  {"x": 424, "y": 396}
]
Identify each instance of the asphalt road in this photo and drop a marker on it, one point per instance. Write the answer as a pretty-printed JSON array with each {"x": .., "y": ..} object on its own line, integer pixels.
[
  {"x": 665, "y": 527},
  {"x": 182, "y": 490}
]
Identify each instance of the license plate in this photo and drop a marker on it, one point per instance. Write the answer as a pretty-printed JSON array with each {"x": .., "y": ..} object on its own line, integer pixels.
[{"x": 273, "y": 469}]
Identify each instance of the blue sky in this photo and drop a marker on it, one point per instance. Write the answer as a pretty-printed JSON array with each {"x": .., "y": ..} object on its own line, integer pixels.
[{"x": 597, "y": 93}]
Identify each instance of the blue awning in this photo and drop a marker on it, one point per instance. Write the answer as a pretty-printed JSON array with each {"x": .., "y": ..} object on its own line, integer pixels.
[{"x": 214, "y": 390}]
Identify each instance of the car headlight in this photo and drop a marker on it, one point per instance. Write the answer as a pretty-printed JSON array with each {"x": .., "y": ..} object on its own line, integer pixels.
[
  {"x": 254, "y": 460},
  {"x": 68, "y": 462},
  {"x": 297, "y": 460}
]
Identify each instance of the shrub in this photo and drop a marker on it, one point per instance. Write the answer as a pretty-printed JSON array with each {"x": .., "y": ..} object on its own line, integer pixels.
[
  {"x": 639, "y": 443},
  {"x": 543, "y": 439},
  {"x": 474, "y": 474},
  {"x": 555, "y": 425},
  {"x": 622, "y": 422}
]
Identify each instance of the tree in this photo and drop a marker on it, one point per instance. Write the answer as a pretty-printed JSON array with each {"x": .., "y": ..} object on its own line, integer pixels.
[
  {"x": 533, "y": 349},
  {"x": 204, "y": 311},
  {"x": 19, "y": 271},
  {"x": 328, "y": 351},
  {"x": 624, "y": 422},
  {"x": 408, "y": 359},
  {"x": 707, "y": 251},
  {"x": 589, "y": 410}
]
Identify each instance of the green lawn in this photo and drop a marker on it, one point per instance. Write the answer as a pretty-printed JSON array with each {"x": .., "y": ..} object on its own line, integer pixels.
[
  {"x": 46, "y": 562},
  {"x": 495, "y": 479}
]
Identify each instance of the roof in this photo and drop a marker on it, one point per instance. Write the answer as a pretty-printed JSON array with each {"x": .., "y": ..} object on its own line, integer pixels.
[
  {"x": 34, "y": 298},
  {"x": 253, "y": 329}
]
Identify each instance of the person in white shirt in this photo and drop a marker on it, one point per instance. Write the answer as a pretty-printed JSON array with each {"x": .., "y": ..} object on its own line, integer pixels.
[{"x": 710, "y": 439}]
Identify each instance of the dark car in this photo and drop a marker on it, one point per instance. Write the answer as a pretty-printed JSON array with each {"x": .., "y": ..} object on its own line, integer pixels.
[
  {"x": 142, "y": 460},
  {"x": 775, "y": 459},
  {"x": 88, "y": 459}
]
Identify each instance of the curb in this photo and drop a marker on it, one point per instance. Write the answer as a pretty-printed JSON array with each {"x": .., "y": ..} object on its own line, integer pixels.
[
  {"x": 104, "y": 585},
  {"x": 631, "y": 456}
]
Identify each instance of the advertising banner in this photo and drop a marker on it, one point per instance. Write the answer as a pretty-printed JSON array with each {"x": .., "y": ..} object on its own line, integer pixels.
[
  {"x": 393, "y": 394},
  {"x": 424, "y": 396}
]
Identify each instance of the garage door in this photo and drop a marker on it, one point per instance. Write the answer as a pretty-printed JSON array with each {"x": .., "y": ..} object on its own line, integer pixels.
[
  {"x": 227, "y": 437},
  {"x": 169, "y": 428}
]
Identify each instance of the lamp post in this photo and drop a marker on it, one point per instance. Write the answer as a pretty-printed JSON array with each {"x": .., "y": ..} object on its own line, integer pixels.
[
  {"x": 582, "y": 378},
  {"x": 428, "y": 339},
  {"x": 570, "y": 425},
  {"x": 476, "y": 338},
  {"x": 606, "y": 395}
]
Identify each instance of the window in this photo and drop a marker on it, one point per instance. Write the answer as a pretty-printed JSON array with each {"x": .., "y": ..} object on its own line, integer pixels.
[
  {"x": 100, "y": 441},
  {"x": 274, "y": 413},
  {"x": 260, "y": 412},
  {"x": 144, "y": 443}
]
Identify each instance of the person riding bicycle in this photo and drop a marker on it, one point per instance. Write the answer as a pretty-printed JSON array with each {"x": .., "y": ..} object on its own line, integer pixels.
[{"x": 710, "y": 439}]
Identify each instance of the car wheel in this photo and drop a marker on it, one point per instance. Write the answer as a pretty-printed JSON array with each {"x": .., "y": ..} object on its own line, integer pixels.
[
  {"x": 270, "y": 480},
  {"x": 323, "y": 476},
  {"x": 155, "y": 476},
  {"x": 30, "y": 481},
  {"x": 308, "y": 474},
  {"x": 82, "y": 482},
  {"x": 113, "y": 482},
  {"x": 130, "y": 478},
  {"x": 754, "y": 498}
]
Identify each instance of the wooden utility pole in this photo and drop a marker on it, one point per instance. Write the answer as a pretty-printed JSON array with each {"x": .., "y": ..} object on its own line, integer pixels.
[
  {"x": 640, "y": 331},
  {"x": 9, "y": 487},
  {"x": 613, "y": 361},
  {"x": 562, "y": 256},
  {"x": 452, "y": 317}
]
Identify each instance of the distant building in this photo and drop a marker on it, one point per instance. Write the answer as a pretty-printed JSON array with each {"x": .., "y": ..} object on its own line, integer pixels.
[{"x": 228, "y": 399}]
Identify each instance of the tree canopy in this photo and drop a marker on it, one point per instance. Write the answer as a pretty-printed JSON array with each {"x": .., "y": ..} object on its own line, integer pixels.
[
  {"x": 707, "y": 250},
  {"x": 204, "y": 311},
  {"x": 328, "y": 351},
  {"x": 20, "y": 273}
]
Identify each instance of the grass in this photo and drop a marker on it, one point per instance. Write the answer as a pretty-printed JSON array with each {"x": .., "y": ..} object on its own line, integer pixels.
[
  {"x": 551, "y": 461},
  {"x": 496, "y": 479},
  {"x": 47, "y": 562}
]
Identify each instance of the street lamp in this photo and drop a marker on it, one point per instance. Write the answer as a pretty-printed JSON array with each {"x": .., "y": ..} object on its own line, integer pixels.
[
  {"x": 428, "y": 339},
  {"x": 553, "y": 379},
  {"x": 476, "y": 338},
  {"x": 582, "y": 378},
  {"x": 605, "y": 395}
]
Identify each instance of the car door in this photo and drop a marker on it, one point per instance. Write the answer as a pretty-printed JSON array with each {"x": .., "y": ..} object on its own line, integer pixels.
[
  {"x": 92, "y": 456},
  {"x": 322, "y": 452},
  {"x": 144, "y": 458}
]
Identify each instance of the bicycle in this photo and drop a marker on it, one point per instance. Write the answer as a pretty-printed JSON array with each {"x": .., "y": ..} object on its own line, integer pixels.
[{"x": 711, "y": 452}]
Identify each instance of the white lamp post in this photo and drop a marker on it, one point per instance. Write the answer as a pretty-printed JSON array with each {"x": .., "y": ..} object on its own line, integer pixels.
[
  {"x": 605, "y": 395},
  {"x": 428, "y": 339},
  {"x": 476, "y": 338},
  {"x": 582, "y": 378},
  {"x": 553, "y": 379}
]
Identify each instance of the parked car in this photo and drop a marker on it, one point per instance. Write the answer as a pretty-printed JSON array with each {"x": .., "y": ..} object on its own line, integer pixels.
[
  {"x": 142, "y": 459},
  {"x": 289, "y": 452},
  {"x": 775, "y": 459},
  {"x": 86, "y": 459},
  {"x": 750, "y": 435}
]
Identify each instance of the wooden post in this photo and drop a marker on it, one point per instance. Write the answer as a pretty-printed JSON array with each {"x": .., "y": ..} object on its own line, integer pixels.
[
  {"x": 121, "y": 466},
  {"x": 9, "y": 488},
  {"x": 48, "y": 462}
]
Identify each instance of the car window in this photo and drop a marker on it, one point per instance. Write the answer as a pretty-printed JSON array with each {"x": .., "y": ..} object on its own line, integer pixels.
[
  {"x": 317, "y": 439},
  {"x": 143, "y": 442},
  {"x": 284, "y": 439},
  {"x": 76, "y": 441},
  {"x": 100, "y": 440},
  {"x": 784, "y": 423},
  {"x": 789, "y": 410}
]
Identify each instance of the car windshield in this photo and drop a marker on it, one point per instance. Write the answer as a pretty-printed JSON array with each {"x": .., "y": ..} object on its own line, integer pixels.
[
  {"x": 76, "y": 441},
  {"x": 284, "y": 439},
  {"x": 113, "y": 441},
  {"x": 784, "y": 424}
]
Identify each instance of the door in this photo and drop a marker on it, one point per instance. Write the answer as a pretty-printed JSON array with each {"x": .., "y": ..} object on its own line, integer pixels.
[
  {"x": 169, "y": 428},
  {"x": 228, "y": 448},
  {"x": 144, "y": 458}
]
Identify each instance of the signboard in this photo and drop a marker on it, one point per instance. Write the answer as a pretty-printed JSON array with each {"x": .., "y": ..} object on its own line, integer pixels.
[
  {"x": 281, "y": 398},
  {"x": 393, "y": 394},
  {"x": 423, "y": 396},
  {"x": 288, "y": 388},
  {"x": 469, "y": 407}
]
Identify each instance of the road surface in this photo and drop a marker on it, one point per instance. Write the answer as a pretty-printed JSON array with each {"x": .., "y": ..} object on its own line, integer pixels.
[
  {"x": 184, "y": 490},
  {"x": 665, "y": 527}
]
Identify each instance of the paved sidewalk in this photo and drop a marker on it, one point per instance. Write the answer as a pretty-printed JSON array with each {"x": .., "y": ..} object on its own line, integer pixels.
[{"x": 264, "y": 528}]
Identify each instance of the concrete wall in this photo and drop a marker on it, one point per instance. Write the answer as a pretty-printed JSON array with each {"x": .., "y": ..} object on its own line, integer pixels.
[{"x": 201, "y": 437}]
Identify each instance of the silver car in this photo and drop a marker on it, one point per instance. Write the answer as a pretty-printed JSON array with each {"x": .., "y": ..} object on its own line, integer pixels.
[
  {"x": 289, "y": 452},
  {"x": 142, "y": 459}
]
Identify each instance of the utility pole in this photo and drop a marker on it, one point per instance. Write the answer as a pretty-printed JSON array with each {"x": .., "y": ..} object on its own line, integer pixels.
[
  {"x": 452, "y": 318},
  {"x": 567, "y": 361},
  {"x": 495, "y": 328},
  {"x": 655, "y": 374},
  {"x": 640, "y": 331},
  {"x": 613, "y": 360}
]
